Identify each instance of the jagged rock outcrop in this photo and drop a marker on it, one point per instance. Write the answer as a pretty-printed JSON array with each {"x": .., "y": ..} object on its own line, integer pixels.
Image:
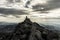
[{"x": 28, "y": 30}]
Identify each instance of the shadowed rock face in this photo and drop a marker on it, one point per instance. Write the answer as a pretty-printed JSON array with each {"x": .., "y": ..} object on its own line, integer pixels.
[{"x": 28, "y": 30}]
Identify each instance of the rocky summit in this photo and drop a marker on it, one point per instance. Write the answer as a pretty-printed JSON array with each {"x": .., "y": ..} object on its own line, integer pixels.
[{"x": 28, "y": 30}]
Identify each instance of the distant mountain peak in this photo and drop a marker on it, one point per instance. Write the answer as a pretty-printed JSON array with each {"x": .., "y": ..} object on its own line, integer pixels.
[{"x": 27, "y": 20}]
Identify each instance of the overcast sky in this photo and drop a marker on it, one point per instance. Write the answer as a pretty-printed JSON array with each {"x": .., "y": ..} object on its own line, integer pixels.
[
  {"x": 18, "y": 9},
  {"x": 15, "y": 7}
]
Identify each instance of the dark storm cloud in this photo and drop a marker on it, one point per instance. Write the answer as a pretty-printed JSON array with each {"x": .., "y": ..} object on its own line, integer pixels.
[
  {"x": 12, "y": 11},
  {"x": 52, "y": 4},
  {"x": 12, "y": 1}
]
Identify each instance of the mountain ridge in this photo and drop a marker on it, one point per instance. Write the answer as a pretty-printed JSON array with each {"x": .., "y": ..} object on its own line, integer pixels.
[{"x": 28, "y": 30}]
